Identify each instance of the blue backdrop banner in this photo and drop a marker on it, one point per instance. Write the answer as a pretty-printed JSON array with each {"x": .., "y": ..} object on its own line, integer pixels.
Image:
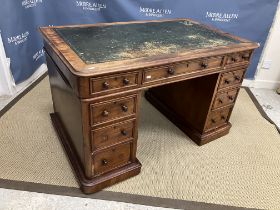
[{"x": 20, "y": 19}]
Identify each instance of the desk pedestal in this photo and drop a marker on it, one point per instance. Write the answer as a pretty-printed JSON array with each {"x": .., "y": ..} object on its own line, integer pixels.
[{"x": 189, "y": 105}]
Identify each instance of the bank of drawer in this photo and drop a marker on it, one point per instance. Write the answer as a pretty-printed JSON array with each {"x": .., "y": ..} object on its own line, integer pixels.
[
  {"x": 161, "y": 72},
  {"x": 113, "y": 109},
  {"x": 118, "y": 81},
  {"x": 110, "y": 135},
  {"x": 224, "y": 98},
  {"x": 238, "y": 58},
  {"x": 231, "y": 78},
  {"x": 217, "y": 118},
  {"x": 111, "y": 158}
]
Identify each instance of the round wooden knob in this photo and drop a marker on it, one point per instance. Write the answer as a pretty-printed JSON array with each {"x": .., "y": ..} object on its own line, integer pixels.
[
  {"x": 227, "y": 81},
  {"x": 105, "y": 85},
  {"x": 237, "y": 78},
  {"x": 171, "y": 71},
  {"x": 124, "y": 132},
  {"x": 204, "y": 64},
  {"x": 125, "y": 81},
  {"x": 230, "y": 98},
  {"x": 233, "y": 59},
  {"x": 104, "y": 162},
  {"x": 124, "y": 108},
  {"x": 105, "y": 113}
]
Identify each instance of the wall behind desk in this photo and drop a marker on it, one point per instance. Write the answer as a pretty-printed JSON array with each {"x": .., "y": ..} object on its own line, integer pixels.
[
  {"x": 268, "y": 76},
  {"x": 20, "y": 19}
]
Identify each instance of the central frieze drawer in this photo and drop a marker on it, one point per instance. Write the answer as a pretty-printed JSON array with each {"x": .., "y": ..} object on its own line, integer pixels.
[
  {"x": 161, "y": 72},
  {"x": 111, "y": 158},
  {"x": 119, "y": 81},
  {"x": 113, "y": 134},
  {"x": 113, "y": 109}
]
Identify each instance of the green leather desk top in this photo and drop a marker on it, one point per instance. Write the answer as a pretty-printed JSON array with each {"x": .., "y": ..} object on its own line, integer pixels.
[{"x": 99, "y": 44}]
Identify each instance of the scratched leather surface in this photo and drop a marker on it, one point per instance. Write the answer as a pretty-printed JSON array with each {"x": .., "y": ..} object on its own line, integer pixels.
[{"x": 120, "y": 42}]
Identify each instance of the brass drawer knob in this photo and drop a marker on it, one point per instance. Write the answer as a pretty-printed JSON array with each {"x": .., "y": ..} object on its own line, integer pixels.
[
  {"x": 124, "y": 108},
  {"x": 105, "y": 113},
  {"x": 220, "y": 101},
  {"x": 204, "y": 64},
  {"x": 105, "y": 162},
  {"x": 171, "y": 71},
  {"x": 105, "y": 85},
  {"x": 124, "y": 132}
]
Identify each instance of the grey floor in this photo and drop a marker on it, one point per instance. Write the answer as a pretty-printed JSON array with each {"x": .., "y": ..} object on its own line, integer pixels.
[
  {"x": 19, "y": 88},
  {"x": 13, "y": 199},
  {"x": 270, "y": 102},
  {"x": 4, "y": 100}
]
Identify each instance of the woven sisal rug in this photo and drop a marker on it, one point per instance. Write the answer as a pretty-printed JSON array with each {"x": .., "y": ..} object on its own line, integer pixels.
[{"x": 241, "y": 169}]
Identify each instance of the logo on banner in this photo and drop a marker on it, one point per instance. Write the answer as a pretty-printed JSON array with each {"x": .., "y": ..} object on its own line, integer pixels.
[
  {"x": 221, "y": 17},
  {"x": 18, "y": 39},
  {"x": 86, "y": 5},
  {"x": 30, "y": 3},
  {"x": 155, "y": 12},
  {"x": 38, "y": 55}
]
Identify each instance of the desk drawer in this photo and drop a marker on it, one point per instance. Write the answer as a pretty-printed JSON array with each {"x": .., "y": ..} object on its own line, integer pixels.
[
  {"x": 113, "y": 109},
  {"x": 112, "y": 158},
  {"x": 238, "y": 58},
  {"x": 225, "y": 98},
  {"x": 231, "y": 78},
  {"x": 116, "y": 133},
  {"x": 118, "y": 81},
  {"x": 161, "y": 72},
  {"x": 217, "y": 118}
]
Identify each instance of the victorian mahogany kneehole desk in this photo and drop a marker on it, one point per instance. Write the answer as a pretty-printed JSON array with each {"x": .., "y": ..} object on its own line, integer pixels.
[{"x": 97, "y": 72}]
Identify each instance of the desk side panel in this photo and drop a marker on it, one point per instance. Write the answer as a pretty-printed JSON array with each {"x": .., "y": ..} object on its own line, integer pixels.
[{"x": 67, "y": 107}]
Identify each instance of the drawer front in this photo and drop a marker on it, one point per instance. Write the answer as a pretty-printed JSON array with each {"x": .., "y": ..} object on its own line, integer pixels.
[
  {"x": 114, "y": 109},
  {"x": 217, "y": 118},
  {"x": 238, "y": 58},
  {"x": 162, "y": 72},
  {"x": 231, "y": 78},
  {"x": 225, "y": 98},
  {"x": 112, "y": 158},
  {"x": 107, "y": 136},
  {"x": 120, "y": 81}
]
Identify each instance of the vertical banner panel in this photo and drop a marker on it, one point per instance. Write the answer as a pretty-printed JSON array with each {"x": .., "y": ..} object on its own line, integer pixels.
[{"x": 19, "y": 21}]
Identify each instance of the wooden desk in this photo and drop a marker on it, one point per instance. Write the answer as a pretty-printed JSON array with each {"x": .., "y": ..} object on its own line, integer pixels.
[{"x": 97, "y": 72}]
